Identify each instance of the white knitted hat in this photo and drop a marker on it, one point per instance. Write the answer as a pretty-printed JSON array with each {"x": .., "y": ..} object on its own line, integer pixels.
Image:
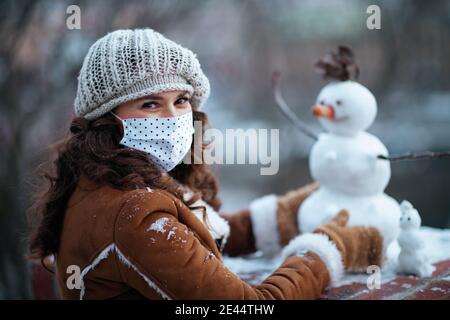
[{"x": 129, "y": 64}]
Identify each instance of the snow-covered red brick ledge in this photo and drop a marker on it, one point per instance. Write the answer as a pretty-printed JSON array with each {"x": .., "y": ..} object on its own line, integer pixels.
[
  {"x": 254, "y": 269},
  {"x": 437, "y": 287}
]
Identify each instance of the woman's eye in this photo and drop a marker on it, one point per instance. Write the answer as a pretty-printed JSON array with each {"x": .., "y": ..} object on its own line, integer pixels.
[
  {"x": 181, "y": 100},
  {"x": 149, "y": 105}
]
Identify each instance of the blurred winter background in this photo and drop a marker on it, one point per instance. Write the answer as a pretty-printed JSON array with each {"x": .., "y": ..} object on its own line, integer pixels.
[{"x": 239, "y": 43}]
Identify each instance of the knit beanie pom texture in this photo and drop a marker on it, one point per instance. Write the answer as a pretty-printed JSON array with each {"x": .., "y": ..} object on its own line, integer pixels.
[{"x": 126, "y": 65}]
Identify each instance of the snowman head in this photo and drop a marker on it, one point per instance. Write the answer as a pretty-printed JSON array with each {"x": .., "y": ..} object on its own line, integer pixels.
[
  {"x": 345, "y": 107},
  {"x": 410, "y": 218}
]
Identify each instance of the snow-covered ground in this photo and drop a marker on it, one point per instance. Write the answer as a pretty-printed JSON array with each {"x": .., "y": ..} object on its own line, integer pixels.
[{"x": 437, "y": 247}]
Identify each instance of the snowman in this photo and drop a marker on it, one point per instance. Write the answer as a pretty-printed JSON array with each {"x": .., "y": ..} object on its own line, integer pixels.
[
  {"x": 412, "y": 258},
  {"x": 345, "y": 159}
]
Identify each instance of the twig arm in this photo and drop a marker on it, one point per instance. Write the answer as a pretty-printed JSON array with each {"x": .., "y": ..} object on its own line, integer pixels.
[
  {"x": 286, "y": 110},
  {"x": 415, "y": 156}
]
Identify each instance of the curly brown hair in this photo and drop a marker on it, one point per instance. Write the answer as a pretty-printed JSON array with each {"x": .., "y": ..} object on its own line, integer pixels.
[{"x": 92, "y": 149}]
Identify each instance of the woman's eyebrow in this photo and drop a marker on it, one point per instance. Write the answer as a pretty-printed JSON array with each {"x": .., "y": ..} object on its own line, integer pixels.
[
  {"x": 153, "y": 97},
  {"x": 183, "y": 93}
]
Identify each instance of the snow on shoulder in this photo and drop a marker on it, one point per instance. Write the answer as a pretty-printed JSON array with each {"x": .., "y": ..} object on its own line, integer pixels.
[{"x": 159, "y": 225}]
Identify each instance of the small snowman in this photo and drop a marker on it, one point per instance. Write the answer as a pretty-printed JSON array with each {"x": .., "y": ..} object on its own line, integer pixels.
[
  {"x": 412, "y": 258},
  {"x": 345, "y": 159}
]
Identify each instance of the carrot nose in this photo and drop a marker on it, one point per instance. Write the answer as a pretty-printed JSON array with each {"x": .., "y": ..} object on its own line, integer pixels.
[{"x": 323, "y": 111}]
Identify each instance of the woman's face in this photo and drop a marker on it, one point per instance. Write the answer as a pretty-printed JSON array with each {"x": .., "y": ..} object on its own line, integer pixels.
[{"x": 164, "y": 104}]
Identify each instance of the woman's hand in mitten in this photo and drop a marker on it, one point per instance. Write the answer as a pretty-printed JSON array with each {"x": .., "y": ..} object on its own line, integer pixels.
[
  {"x": 288, "y": 205},
  {"x": 294, "y": 198},
  {"x": 359, "y": 246}
]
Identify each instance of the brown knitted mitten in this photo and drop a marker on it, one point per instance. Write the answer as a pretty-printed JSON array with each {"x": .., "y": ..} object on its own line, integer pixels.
[
  {"x": 293, "y": 199},
  {"x": 288, "y": 205},
  {"x": 360, "y": 246}
]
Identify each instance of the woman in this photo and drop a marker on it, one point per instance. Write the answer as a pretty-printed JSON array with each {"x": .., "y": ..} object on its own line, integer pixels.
[{"x": 140, "y": 223}]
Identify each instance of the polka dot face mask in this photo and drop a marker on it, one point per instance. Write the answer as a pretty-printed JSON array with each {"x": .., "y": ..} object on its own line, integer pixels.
[{"x": 166, "y": 140}]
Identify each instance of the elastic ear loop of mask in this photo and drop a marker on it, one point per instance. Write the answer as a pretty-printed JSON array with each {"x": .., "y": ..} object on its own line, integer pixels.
[
  {"x": 121, "y": 121},
  {"x": 115, "y": 115}
]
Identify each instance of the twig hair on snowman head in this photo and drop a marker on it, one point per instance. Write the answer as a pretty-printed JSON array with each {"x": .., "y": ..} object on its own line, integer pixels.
[{"x": 338, "y": 65}]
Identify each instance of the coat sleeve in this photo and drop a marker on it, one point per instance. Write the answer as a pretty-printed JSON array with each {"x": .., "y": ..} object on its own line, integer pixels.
[
  {"x": 160, "y": 254},
  {"x": 267, "y": 225}
]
